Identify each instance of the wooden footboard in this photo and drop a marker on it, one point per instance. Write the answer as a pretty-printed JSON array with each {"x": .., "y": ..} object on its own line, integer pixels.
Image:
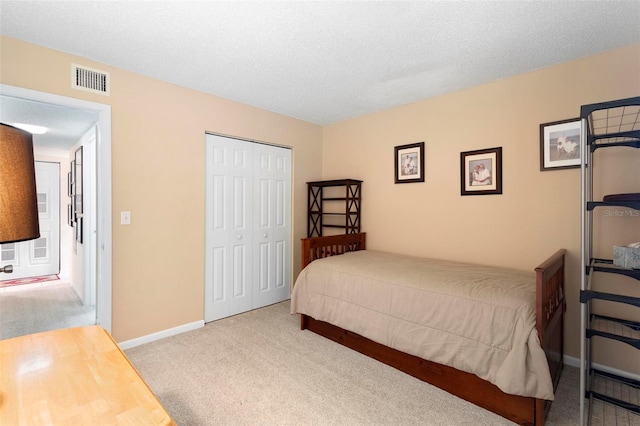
[
  {"x": 319, "y": 247},
  {"x": 550, "y": 307}
]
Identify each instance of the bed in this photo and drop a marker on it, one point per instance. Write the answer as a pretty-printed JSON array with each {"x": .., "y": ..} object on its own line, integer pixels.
[{"x": 355, "y": 297}]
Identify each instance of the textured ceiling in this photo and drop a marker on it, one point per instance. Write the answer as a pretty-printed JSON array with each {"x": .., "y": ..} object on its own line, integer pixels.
[{"x": 325, "y": 61}]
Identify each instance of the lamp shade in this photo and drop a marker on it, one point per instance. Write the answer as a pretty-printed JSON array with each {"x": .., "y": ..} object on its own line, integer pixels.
[{"x": 18, "y": 202}]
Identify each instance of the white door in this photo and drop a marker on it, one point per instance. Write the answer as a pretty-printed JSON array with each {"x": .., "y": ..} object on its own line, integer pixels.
[
  {"x": 247, "y": 232},
  {"x": 272, "y": 231},
  {"x": 41, "y": 256},
  {"x": 228, "y": 227}
]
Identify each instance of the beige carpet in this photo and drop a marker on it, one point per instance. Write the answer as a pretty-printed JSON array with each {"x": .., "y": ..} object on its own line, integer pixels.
[
  {"x": 259, "y": 368},
  {"x": 41, "y": 307}
]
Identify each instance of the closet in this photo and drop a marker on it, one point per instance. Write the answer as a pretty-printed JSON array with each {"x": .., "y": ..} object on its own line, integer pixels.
[
  {"x": 247, "y": 225},
  {"x": 610, "y": 283}
]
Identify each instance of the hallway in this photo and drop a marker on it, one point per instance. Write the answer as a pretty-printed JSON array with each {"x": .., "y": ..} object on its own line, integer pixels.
[{"x": 32, "y": 308}]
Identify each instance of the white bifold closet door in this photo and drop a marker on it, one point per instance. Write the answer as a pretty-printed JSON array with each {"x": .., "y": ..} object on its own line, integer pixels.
[{"x": 248, "y": 226}]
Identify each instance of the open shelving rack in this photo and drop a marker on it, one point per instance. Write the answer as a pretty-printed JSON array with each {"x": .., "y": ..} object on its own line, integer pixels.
[
  {"x": 612, "y": 399},
  {"x": 344, "y": 212}
]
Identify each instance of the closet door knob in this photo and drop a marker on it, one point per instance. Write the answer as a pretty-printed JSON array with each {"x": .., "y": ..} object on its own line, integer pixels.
[
  {"x": 239, "y": 236},
  {"x": 264, "y": 235}
]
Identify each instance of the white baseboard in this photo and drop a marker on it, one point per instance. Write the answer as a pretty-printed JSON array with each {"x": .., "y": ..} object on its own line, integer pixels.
[
  {"x": 571, "y": 361},
  {"x": 575, "y": 362},
  {"x": 160, "y": 335}
]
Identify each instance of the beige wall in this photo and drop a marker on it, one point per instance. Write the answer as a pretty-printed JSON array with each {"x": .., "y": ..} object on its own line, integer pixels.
[
  {"x": 158, "y": 174},
  {"x": 538, "y": 212}
]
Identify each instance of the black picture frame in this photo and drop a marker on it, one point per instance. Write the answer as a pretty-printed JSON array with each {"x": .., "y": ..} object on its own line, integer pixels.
[
  {"x": 79, "y": 223},
  {"x": 70, "y": 214},
  {"x": 409, "y": 163},
  {"x": 560, "y": 145},
  {"x": 69, "y": 185},
  {"x": 78, "y": 184},
  {"x": 72, "y": 190},
  {"x": 481, "y": 172},
  {"x": 72, "y": 177}
]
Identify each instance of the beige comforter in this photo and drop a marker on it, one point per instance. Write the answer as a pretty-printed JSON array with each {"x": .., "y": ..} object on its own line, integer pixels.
[{"x": 475, "y": 318}]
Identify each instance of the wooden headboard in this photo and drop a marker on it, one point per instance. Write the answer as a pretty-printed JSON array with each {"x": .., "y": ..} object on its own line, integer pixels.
[{"x": 319, "y": 247}]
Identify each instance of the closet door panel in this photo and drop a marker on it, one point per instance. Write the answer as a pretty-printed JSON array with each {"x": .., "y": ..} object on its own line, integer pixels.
[
  {"x": 273, "y": 184},
  {"x": 227, "y": 227}
]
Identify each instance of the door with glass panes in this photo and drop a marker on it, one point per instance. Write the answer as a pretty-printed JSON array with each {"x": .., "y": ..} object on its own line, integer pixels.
[{"x": 41, "y": 256}]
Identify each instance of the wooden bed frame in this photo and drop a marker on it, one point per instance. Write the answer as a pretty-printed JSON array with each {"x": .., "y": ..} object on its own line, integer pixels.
[{"x": 550, "y": 307}]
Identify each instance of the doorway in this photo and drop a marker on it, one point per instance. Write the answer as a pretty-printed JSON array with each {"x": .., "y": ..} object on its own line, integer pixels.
[{"x": 100, "y": 259}]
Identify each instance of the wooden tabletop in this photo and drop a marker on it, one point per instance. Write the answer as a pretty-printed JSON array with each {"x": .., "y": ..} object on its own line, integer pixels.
[{"x": 74, "y": 376}]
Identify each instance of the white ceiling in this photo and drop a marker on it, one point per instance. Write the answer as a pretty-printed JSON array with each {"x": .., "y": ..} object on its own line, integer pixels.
[
  {"x": 65, "y": 125},
  {"x": 325, "y": 61}
]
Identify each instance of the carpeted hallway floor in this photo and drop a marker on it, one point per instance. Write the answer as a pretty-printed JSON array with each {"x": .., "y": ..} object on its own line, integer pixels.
[{"x": 41, "y": 307}]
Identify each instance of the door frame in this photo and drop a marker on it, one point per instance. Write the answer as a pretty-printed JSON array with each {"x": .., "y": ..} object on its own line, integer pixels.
[{"x": 102, "y": 249}]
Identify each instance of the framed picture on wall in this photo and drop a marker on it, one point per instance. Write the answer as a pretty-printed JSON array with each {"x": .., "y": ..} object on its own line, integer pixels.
[
  {"x": 78, "y": 182},
  {"x": 481, "y": 172},
  {"x": 69, "y": 185},
  {"x": 79, "y": 230},
  {"x": 72, "y": 177},
  {"x": 70, "y": 214},
  {"x": 409, "y": 163},
  {"x": 560, "y": 145}
]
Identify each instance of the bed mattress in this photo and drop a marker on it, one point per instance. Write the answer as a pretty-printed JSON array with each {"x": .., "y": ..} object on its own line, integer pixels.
[{"x": 475, "y": 318}]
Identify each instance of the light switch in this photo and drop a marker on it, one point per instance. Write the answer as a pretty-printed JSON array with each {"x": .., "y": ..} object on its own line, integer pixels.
[{"x": 125, "y": 218}]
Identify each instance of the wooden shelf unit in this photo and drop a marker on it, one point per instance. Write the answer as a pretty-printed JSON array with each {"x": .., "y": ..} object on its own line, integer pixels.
[{"x": 327, "y": 210}]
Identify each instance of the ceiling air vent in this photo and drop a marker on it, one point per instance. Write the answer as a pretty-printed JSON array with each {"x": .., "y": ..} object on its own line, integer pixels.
[{"x": 90, "y": 79}]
